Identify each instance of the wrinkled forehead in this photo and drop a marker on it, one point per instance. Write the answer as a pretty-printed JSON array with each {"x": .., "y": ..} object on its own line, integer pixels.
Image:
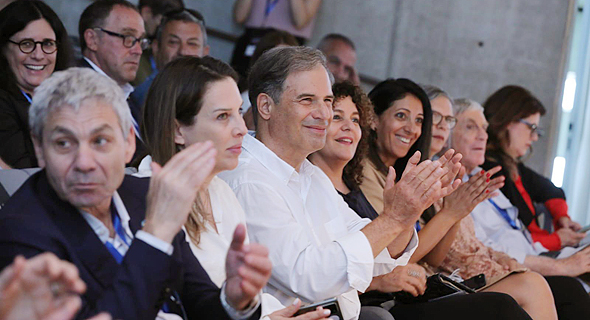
[
  {"x": 91, "y": 116},
  {"x": 474, "y": 116}
]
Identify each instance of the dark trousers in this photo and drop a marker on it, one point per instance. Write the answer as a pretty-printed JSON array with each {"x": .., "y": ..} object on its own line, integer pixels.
[
  {"x": 480, "y": 306},
  {"x": 571, "y": 300}
]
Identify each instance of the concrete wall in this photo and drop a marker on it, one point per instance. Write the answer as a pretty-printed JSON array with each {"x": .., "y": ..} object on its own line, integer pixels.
[{"x": 468, "y": 47}]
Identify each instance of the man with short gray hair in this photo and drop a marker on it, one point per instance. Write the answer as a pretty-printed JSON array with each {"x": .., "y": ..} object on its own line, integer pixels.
[
  {"x": 133, "y": 256},
  {"x": 319, "y": 247}
]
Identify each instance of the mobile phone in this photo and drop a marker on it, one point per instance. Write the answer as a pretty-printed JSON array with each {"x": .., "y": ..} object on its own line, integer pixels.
[
  {"x": 331, "y": 304},
  {"x": 585, "y": 229}
]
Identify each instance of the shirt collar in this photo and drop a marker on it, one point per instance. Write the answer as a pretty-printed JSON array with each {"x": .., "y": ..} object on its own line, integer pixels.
[
  {"x": 127, "y": 88},
  {"x": 272, "y": 162},
  {"x": 100, "y": 229}
]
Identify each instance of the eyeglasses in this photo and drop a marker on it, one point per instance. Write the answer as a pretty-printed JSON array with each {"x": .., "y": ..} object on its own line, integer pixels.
[
  {"x": 29, "y": 45},
  {"x": 437, "y": 118},
  {"x": 534, "y": 128},
  {"x": 128, "y": 40}
]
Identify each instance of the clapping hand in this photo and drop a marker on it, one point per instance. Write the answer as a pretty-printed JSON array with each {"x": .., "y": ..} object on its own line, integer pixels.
[{"x": 248, "y": 269}]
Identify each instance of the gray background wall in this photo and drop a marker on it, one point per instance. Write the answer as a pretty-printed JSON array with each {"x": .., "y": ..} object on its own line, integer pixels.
[{"x": 468, "y": 47}]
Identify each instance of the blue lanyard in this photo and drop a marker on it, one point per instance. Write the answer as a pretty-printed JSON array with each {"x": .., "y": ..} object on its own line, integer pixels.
[
  {"x": 504, "y": 214},
  {"x": 270, "y": 6},
  {"x": 417, "y": 226},
  {"x": 27, "y": 96},
  {"x": 119, "y": 230}
]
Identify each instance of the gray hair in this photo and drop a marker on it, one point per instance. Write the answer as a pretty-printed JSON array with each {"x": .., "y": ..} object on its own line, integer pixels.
[
  {"x": 184, "y": 15},
  {"x": 434, "y": 92},
  {"x": 270, "y": 71},
  {"x": 70, "y": 88},
  {"x": 463, "y": 104}
]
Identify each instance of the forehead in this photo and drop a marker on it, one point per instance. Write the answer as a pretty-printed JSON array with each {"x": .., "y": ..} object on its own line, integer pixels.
[
  {"x": 122, "y": 18},
  {"x": 442, "y": 105},
  {"x": 315, "y": 81},
  {"x": 409, "y": 102},
  {"x": 473, "y": 115},
  {"x": 39, "y": 28},
  {"x": 342, "y": 50},
  {"x": 346, "y": 105},
  {"x": 91, "y": 115},
  {"x": 185, "y": 28}
]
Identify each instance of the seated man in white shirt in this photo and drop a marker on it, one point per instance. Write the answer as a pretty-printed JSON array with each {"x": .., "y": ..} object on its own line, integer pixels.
[
  {"x": 132, "y": 256},
  {"x": 319, "y": 247}
]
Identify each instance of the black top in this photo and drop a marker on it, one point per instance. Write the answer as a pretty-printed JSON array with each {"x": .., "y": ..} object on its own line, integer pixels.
[
  {"x": 16, "y": 146},
  {"x": 357, "y": 201}
]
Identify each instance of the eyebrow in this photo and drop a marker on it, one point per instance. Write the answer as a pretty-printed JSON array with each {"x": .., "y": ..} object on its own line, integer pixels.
[
  {"x": 132, "y": 30},
  {"x": 101, "y": 128},
  {"x": 420, "y": 113}
]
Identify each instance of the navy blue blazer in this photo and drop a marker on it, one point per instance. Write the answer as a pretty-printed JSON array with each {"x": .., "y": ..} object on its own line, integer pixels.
[{"x": 35, "y": 220}]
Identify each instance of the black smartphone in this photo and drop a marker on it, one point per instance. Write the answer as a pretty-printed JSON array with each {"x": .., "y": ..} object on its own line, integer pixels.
[{"x": 331, "y": 304}]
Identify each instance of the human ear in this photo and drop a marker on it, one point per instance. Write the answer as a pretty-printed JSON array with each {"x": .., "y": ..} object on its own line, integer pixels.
[
  {"x": 265, "y": 105},
  {"x": 178, "y": 136}
]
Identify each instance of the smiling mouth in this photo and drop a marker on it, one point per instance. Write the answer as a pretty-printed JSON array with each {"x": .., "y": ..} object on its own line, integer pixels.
[
  {"x": 34, "y": 67},
  {"x": 403, "y": 139},
  {"x": 344, "y": 140}
]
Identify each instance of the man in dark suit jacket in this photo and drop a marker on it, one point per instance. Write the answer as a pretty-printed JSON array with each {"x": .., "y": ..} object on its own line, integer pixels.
[
  {"x": 133, "y": 257},
  {"x": 112, "y": 37}
]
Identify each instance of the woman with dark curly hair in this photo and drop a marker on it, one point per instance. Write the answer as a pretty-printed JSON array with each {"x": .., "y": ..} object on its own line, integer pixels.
[
  {"x": 514, "y": 114},
  {"x": 33, "y": 44},
  {"x": 341, "y": 158}
]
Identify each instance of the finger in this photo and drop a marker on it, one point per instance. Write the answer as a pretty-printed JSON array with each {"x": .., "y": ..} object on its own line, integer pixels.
[
  {"x": 319, "y": 313},
  {"x": 249, "y": 289},
  {"x": 494, "y": 170},
  {"x": 67, "y": 310},
  {"x": 258, "y": 260},
  {"x": 185, "y": 157},
  {"x": 412, "y": 162},
  {"x": 289, "y": 310},
  {"x": 408, "y": 287},
  {"x": 253, "y": 276},
  {"x": 238, "y": 238},
  {"x": 390, "y": 180}
]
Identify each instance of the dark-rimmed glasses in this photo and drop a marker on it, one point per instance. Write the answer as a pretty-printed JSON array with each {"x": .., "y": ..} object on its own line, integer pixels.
[
  {"x": 437, "y": 118},
  {"x": 533, "y": 127},
  {"x": 29, "y": 45},
  {"x": 128, "y": 40}
]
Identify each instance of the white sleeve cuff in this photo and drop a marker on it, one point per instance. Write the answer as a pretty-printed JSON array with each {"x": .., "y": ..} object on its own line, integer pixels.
[
  {"x": 239, "y": 314},
  {"x": 384, "y": 263},
  {"x": 155, "y": 242},
  {"x": 359, "y": 260}
]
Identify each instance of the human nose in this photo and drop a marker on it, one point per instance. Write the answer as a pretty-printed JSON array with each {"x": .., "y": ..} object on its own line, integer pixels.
[
  {"x": 85, "y": 161},
  {"x": 184, "y": 50},
  {"x": 240, "y": 128},
  {"x": 136, "y": 48},
  {"x": 322, "y": 111},
  {"x": 482, "y": 134},
  {"x": 37, "y": 52}
]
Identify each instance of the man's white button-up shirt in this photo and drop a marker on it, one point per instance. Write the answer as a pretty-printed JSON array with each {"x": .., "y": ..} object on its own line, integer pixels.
[{"x": 314, "y": 238}]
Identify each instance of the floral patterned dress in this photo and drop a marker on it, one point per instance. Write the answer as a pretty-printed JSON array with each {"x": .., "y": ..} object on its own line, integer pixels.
[{"x": 471, "y": 257}]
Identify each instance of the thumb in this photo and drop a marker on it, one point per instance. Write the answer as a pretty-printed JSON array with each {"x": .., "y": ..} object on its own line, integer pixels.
[
  {"x": 413, "y": 161},
  {"x": 239, "y": 237},
  {"x": 390, "y": 181},
  {"x": 156, "y": 168},
  {"x": 290, "y": 310}
]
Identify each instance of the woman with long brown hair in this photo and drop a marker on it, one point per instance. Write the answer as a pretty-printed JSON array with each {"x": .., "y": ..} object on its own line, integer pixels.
[
  {"x": 195, "y": 100},
  {"x": 513, "y": 114}
]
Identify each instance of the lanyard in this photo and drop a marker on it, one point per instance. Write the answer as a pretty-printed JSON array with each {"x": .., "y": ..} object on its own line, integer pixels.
[
  {"x": 27, "y": 96},
  {"x": 270, "y": 6},
  {"x": 504, "y": 214},
  {"x": 121, "y": 233}
]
